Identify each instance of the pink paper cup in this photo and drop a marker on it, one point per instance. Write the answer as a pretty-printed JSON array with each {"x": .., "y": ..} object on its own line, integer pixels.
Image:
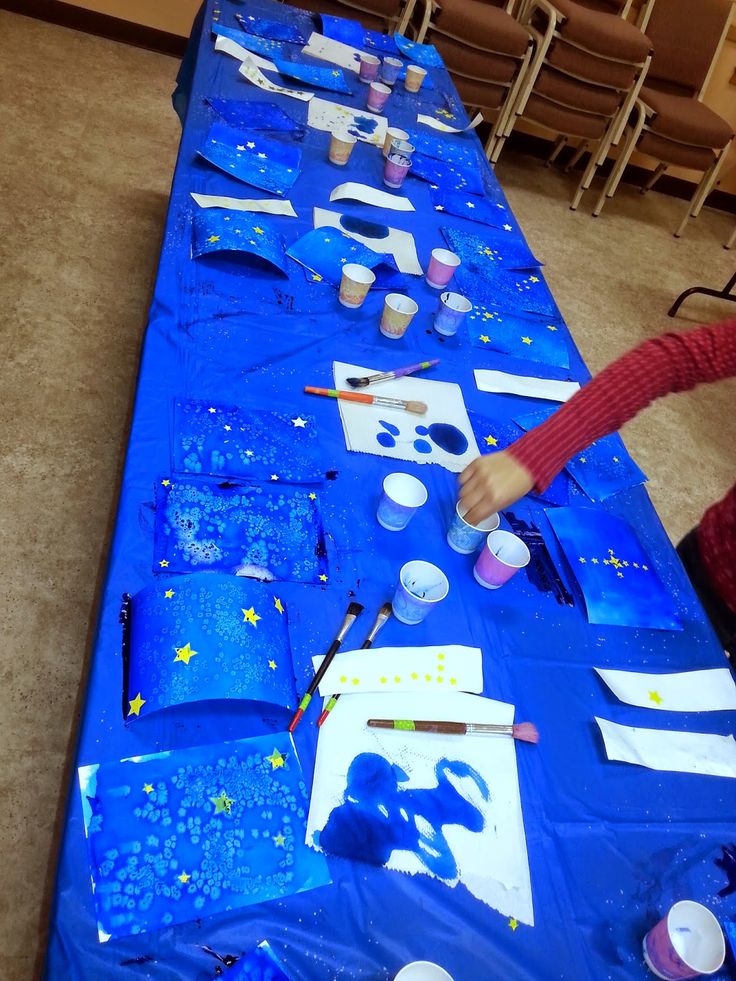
[
  {"x": 422, "y": 587},
  {"x": 354, "y": 285},
  {"x": 501, "y": 558},
  {"x": 395, "y": 169},
  {"x": 442, "y": 266},
  {"x": 414, "y": 78},
  {"x": 392, "y": 133},
  {"x": 402, "y": 497},
  {"x": 466, "y": 538},
  {"x": 341, "y": 146},
  {"x": 686, "y": 943},
  {"x": 398, "y": 311},
  {"x": 390, "y": 70},
  {"x": 369, "y": 66},
  {"x": 378, "y": 93}
]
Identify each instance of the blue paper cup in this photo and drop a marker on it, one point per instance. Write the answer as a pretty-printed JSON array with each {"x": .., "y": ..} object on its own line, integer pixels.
[
  {"x": 422, "y": 586},
  {"x": 402, "y": 497},
  {"x": 466, "y": 538},
  {"x": 450, "y": 313},
  {"x": 389, "y": 70}
]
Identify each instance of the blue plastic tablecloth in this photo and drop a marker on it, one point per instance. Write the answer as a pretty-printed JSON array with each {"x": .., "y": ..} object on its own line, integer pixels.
[{"x": 610, "y": 846}]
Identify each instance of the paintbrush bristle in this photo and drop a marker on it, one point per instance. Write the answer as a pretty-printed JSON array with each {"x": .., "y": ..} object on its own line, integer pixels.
[
  {"x": 419, "y": 408},
  {"x": 355, "y": 609},
  {"x": 386, "y": 610},
  {"x": 527, "y": 732},
  {"x": 358, "y": 382}
]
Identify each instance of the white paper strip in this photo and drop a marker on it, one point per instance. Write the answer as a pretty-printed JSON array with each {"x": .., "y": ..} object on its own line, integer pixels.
[
  {"x": 337, "y": 53},
  {"x": 370, "y": 195},
  {"x": 491, "y": 859},
  {"x": 663, "y": 749},
  {"x": 235, "y": 50},
  {"x": 712, "y": 690},
  {"x": 249, "y": 70},
  {"x": 363, "y": 125},
  {"x": 398, "y": 243},
  {"x": 444, "y": 128},
  {"x": 245, "y": 204},
  {"x": 419, "y": 669},
  {"x": 488, "y": 380}
]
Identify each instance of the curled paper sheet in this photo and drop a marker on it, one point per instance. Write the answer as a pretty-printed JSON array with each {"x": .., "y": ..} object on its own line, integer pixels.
[
  {"x": 530, "y": 387},
  {"x": 245, "y": 204},
  {"x": 418, "y": 669},
  {"x": 250, "y": 71},
  {"x": 337, "y": 53},
  {"x": 444, "y": 128},
  {"x": 663, "y": 749},
  {"x": 421, "y": 54},
  {"x": 711, "y": 690},
  {"x": 228, "y": 46},
  {"x": 370, "y": 195},
  {"x": 380, "y": 238}
]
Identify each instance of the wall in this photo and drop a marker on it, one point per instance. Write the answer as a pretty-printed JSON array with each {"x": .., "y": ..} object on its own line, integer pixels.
[{"x": 173, "y": 16}]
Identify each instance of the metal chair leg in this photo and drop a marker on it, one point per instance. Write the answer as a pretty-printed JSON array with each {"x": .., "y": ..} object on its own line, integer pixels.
[
  {"x": 725, "y": 294},
  {"x": 731, "y": 240},
  {"x": 560, "y": 142},
  {"x": 570, "y": 165},
  {"x": 656, "y": 174}
]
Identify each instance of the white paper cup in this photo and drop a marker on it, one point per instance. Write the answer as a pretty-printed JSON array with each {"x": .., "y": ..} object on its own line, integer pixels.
[
  {"x": 402, "y": 497},
  {"x": 465, "y": 538},
  {"x": 354, "y": 285},
  {"x": 423, "y": 971}
]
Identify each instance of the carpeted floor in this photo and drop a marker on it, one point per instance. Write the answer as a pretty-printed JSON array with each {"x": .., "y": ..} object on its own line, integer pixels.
[{"x": 88, "y": 140}]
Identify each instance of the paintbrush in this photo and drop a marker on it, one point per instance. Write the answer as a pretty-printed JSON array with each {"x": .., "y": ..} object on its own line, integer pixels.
[
  {"x": 419, "y": 408},
  {"x": 525, "y": 731},
  {"x": 388, "y": 375},
  {"x": 354, "y": 611},
  {"x": 383, "y": 614}
]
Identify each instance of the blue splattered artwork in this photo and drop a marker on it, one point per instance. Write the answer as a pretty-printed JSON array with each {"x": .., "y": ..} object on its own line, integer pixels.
[
  {"x": 485, "y": 254},
  {"x": 324, "y": 251},
  {"x": 450, "y": 150},
  {"x": 425, "y": 55},
  {"x": 187, "y": 834},
  {"x": 331, "y": 79},
  {"x": 271, "y": 29},
  {"x": 229, "y": 441},
  {"x": 220, "y": 230},
  {"x": 443, "y": 434},
  {"x": 206, "y": 637},
  {"x": 522, "y": 289},
  {"x": 616, "y": 577},
  {"x": 252, "y": 158},
  {"x": 353, "y": 33},
  {"x": 258, "y": 45},
  {"x": 260, "y": 964},
  {"x": 256, "y": 115},
  {"x": 267, "y": 531},
  {"x": 486, "y": 212},
  {"x": 525, "y": 336},
  {"x": 447, "y": 176}
]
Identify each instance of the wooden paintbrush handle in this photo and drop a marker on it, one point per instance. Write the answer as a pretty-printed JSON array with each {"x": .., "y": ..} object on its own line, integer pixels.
[
  {"x": 336, "y": 393},
  {"x": 409, "y": 725}
]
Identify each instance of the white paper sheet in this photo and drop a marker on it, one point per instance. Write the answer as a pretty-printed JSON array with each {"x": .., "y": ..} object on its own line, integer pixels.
[
  {"x": 488, "y": 380},
  {"x": 250, "y": 71},
  {"x": 337, "y": 53},
  {"x": 245, "y": 204},
  {"x": 663, "y": 749},
  {"x": 370, "y": 195},
  {"x": 491, "y": 862},
  {"x": 712, "y": 690},
  {"x": 235, "y": 50},
  {"x": 399, "y": 244},
  {"x": 444, "y": 128},
  {"x": 363, "y": 125},
  {"x": 363, "y": 424},
  {"x": 418, "y": 669}
]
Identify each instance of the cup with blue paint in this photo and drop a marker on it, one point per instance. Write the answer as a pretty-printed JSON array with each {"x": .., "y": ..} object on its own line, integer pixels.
[
  {"x": 686, "y": 943},
  {"x": 501, "y": 558},
  {"x": 465, "y": 538},
  {"x": 390, "y": 69},
  {"x": 402, "y": 496},
  {"x": 451, "y": 311},
  {"x": 421, "y": 588}
]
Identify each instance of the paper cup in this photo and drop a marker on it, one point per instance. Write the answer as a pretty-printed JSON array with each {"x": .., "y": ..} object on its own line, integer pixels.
[
  {"x": 354, "y": 285},
  {"x": 423, "y": 971},
  {"x": 414, "y": 78},
  {"x": 442, "y": 266},
  {"x": 466, "y": 538},
  {"x": 398, "y": 311},
  {"x": 390, "y": 70},
  {"x": 369, "y": 66},
  {"x": 422, "y": 586},
  {"x": 402, "y": 497},
  {"x": 341, "y": 146},
  {"x": 502, "y": 556},
  {"x": 392, "y": 133},
  {"x": 396, "y": 168},
  {"x": 687, "y": 943},
  {"x": 378, "y": 93},
  {"x": 450, "y": 313}
]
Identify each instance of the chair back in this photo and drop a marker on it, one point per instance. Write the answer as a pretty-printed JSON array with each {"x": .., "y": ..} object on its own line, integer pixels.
[{"x": 686, "y": 35}]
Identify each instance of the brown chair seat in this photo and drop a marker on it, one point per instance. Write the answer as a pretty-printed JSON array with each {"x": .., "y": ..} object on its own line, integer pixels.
[
  {"x": 483, "y": 65},
  {"x": 586, "y": 66},
  {"x": 603, "y": 34},
  {"x": 561, "y": 119},
  {"x": 679, "y": 154},
  {"x": 685, "y": 120},
  {"x": 482, "y": 26},
  {"x": 561, "y": 88}
]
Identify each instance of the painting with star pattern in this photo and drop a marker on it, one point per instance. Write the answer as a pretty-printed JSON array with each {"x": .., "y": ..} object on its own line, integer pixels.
[
  {"x": 271, "y": 29},
  {"x": 619, "y": 584},
  {"x": 520, "y": 335},
  {"x": 228, "y": 441},
  {"x": 221, "y": 230},
  {"x": 186, "y": 834},
  {"x": 425, "y": 55},
  {"x": 485, "y": 253},
  {"x": 353, "y": 33},
  {"x": 206, "y": 637},
  {"x": 509, "y": 289},
  {"x": 331, "y": 79},
  {"x": 258, "y": 45},
  {"x": 267, "y": 530},
  {"x": 446, "y": 175},
  {"x": 482, "y": 210},
  {"x": 324, "y": 251},
  {"x": 252, "y": 158},
  {"x": 255, "y": 115},
  {"x": 450, "y": 150}
]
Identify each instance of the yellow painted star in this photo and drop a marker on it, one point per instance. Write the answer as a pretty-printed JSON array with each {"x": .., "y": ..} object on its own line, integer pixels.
[
  {"x": 513, "y": 922},
  {"x": 169, "y": 593},
  {"x": 491, "y": 440},
  {"x": 278, "y": 604},
  {"x": 316, "y": 277},
  {"x": 272, "y": 665},
  {"x": 276, "y": 759},
  {"x": 257, "y": 230},
  {"x": 551, "y": 327},
  {"x": 645, "y": 568},
  {"x": 136, "y": 704},
  {"x": 184, "y": 653},
  {"x": 581, "y": 559},
  {"x": 655, "y": 697},
  {"x": 615, "y": 459},
  {"x": 534, "y": 279},
  {"x": 250, "y": 616},
  {"x": 223, "y": 803},
  {"x": 312, "y": 496},
  {"x": 147, "y": 788},
  {"x": 165, "y": 483},
  {"x": 583, "y": 459},
  {"x": 323, "y": 578},
  {"x": 163, "y": 563},
  {"x": 620, "y": 575},
  {"x": 526, "y": 340},
  {"x": 184, "y": 878},
  {"x": 214, "y": 238},
  {"x": 594, "y": 561},
  {"x": 485, "y": 338},
  {"x": 279, "y": 840}
]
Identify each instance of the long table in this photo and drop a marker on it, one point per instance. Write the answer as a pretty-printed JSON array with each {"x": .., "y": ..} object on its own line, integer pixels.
[{"x": 610, "y": 845}]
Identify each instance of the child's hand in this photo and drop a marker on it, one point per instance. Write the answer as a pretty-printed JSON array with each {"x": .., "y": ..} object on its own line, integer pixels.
[{"x": 492, "y": 483}]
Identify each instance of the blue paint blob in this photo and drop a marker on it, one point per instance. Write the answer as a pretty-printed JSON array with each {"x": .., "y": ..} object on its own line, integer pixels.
[
  {"x": 422, "y": 446},
  {"x": 448, "y": 438},
  {"x": 421, "y": 430},
  {"x": 390, "y": 427},
  {"x": 365, "y": 124},
  {"x": 728, "y": 864},
  {"x": 386, "y": 439},
  {"x": 369, "y": 229},
  {"x": 378, "y": 816}
]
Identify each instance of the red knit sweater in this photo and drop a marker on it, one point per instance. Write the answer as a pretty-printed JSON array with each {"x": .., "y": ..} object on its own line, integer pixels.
[{"x": 670, "y": 363}]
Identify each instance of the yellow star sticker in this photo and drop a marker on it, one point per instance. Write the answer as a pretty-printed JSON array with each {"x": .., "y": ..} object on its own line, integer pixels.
[
  {"x": 534, "y": 279},
  {"x": 184, "y": 878},
  {"x": 336, "y": 74},
  {"x": 136, "y": 704},
  {"x": 148, "y": 788},
  {"x": 279, "y": 840},
  {"x": 278, "y": 604},
  {"x": 581, "y": 559},
  {"x": 620, "y": 575},
  {"x": 594, "y": 561},
  {"x": 316, "y": 277},
  {"x": 165, "y": 483},
  {"x": 615, "y": 459},
  {"x": 169, "y": 593},
  {"x": 163, "y": 563},
  {"x": 485, "y": 338},
  {"x": 272, "y": 665},
  {"x": 491, "y": 440},
  {"x": 312, "y": 496},
  {"x": 655, "y": 697},
  {"x": 513, "y": 922},
  {"x": 645, "y": 568},
  {"x": 636, "y": 565},
  {"x": 551, "y": 327},
  {"x": 526, "y": 340},
  {"x": 184, "y": 653},
  {"x": 214, "y": 238},
  {"x": 223, "y": 803},
  {"x": 323, "y": 578},
  {"x": 487, "y": 316},
  {"x": 276, "y": 759},
  {"x": 583, "y": 459},
  {"x": 250, "y": 616}
]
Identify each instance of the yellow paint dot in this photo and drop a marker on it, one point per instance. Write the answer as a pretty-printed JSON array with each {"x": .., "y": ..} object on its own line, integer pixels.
[
  {"x": 440, "y": 667},
  {"x": 397, "y": 678},
  {"x": 383, "y": 680},
  {"x": 414, "y": 675},
  {"x": 356, "y": 681},
  {"x": 440, "y": 678},
  {"x": 440, "y": 657},
  {"x": 343, "y": 678},
  {"x": 428, "y": 677},
  {"x": 453, "y": 681}
]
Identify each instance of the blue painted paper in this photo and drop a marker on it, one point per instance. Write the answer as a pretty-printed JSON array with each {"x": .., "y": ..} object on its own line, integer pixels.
[
  {"x": 252, "y": 158},
  {"x": 523, "y": 290},
  {"x": 207, "y": 637},
  {"x": 446, "y": 176},
  {"x": 191, "y": 833},
  {"x": 483, "y": 253},
  {"x": 320, "y": 77},
  {"x": 450, "y": 150},
  {"x": 265, "y": 531},
  {"x": 222, "y": 440},
  {"x": 353, "y": 33},
  {"x": 425, "y": 55},
  {"x": 525, "y": 336},
  {"x": 260, "y": 964},
  {"x": 242, "y": 114},
  {"x": 258, "y": 45},
  {"x": 271, "y": 29},
  {"x": 615, "y": 575},
  {"x": 486, "y": 212},
  {"x": 220, "y": 230},
  {"x": 324, "y": 251}
]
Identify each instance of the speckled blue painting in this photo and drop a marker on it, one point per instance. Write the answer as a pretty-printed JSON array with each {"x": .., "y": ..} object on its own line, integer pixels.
[
  {"x": 190, "y": 833},
  {"x": 269, "y": 531},
  {"x": 272, "y": 29},
  {"x": 420, "y": 54},
  {"x": 258, "y": 45},
  {"x": 449, "y": 149},
  {"x": 206, "y": 637},
  {"x": 486, "y": 212},
  {"x": 228, "y": 441},
  {"x": 516, "y": 289},
  {"x": 260, "y": 964},
  {"x": 353, "y": 33},
  {"x": 220, "y": 230},
  {"x": 324, "y": 251},
  {"x": 256, "y": 115},
  {"x": 319, "y": 77},
  {"x": 447, "y": 176},
  {"x": 485, "y": 253},
  {"x": 252, "y": 158},
  {"x": 525, "y": 336}
]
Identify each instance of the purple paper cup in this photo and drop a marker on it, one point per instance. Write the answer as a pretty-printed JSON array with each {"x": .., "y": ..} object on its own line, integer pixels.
[
  {"x": 393, "y": 133},
  {"x": 686, "y": 943},
  {"x": 378, "y": 93},
  {"x": 395, "y": 169},
  {"x": 369, "y": 66},
  {"x": 466, "y": 538},
  {"x": 354, "y": 285},
  {"x": 442, "y": 266},
  {"x": 415, "y": 75},
  {"x": 341, "y": 146},
  {"x": 402, "y": 497},
  {"x": 398, "y": 311},
  {"x": 422, "y": 586},
  {"x": 502, "y": 556},
  {"x": 450, "y": 313},
  {"x": 390, "y": 70}
]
